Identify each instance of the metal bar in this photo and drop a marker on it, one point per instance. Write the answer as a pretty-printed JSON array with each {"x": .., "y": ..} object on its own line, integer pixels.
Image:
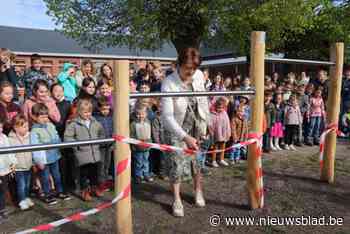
[
  {"x": 31, "y": 148},
  {"x": 301, "y": 61},
  {"x": 192, "y": 94}
]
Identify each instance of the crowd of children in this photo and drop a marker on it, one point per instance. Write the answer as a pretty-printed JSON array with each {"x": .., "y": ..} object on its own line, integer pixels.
[{"x": 38, "y": 108}]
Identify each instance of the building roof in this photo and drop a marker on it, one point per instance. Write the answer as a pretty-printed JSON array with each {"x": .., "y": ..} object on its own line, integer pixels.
[{"x": 54, "y": 43}]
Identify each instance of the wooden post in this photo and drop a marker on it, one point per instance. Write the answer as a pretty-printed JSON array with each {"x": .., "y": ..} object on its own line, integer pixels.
[
  {"x": 122, "y": 151},
  {"x": 257, "y": 70},
  {"x": 333, "y": 109}
]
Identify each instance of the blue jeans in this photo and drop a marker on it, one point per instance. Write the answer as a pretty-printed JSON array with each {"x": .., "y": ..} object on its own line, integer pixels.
[
  {"x": 142, "y": 167},
  {"x": 54, "y": 169},
  {"x": 201, "y": 157},
  {"x": 235, "y": 154},
  {"x": 314, "y": 128},
  {"x": 23, "y": 184}
]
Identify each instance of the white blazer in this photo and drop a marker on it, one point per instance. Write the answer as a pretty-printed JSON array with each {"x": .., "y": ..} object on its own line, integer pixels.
[{"x": 174, "y": 108}]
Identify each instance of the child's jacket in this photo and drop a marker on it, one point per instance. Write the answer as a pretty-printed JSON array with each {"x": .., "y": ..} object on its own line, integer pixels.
[
  {"x": 77, "y": 130},
  {"x": 24, "y": 159},
  {"x": 45, "y": 134}
]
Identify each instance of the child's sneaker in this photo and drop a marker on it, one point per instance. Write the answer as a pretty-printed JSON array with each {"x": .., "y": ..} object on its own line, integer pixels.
[
  {"x": 97, "y": 192},
  {"x": 214, "y": 164},
  {"x": 3, "y": 217},
  {"x": 223, "y": 163},
  {"x": 232, "y": 162},
  {"x": 178, "y": 209},
  {"x": 292, "y": 147},
  {"x": 287, "y": 147},
  {"x": 273, "y": 148},
  {"x": 149, "y": 179},
  {"x": 278, "y": 147},
  {"x": 63, "y": 197},
  {"x": 50, "y": 200},
  {"x": 30, "y": 202},
  {"x": 85, "y": 195},
  {"x": 164, "y": 177},
  {"x": 23, "y": 205}
]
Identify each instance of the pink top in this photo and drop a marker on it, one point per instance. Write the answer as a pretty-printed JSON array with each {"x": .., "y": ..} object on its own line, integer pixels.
[
  {"x": 54, "y": 113},
  {"x": 316, "y": 107},
  {"x": 220, "y": 126}
]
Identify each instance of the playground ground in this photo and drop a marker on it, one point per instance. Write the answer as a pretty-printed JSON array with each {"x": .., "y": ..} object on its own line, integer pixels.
[{"x": 292, "y": 188}]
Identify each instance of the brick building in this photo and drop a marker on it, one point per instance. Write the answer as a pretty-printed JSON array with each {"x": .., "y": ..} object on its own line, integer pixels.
[{"x": 56, "y": 49}]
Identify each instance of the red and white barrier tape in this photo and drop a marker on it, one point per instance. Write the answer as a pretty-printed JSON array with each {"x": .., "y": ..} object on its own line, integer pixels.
[
  {"x": 330, "y": 128},
  {"x": 123, "y": 165},
  {"x": 169, "y": 148},
  {"x": 259, "y": 172}
]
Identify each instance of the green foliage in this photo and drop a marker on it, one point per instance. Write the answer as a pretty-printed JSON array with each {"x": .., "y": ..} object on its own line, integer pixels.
[
  {"x": 297, "y": 28},
  {"x": 294, "y": 27}
]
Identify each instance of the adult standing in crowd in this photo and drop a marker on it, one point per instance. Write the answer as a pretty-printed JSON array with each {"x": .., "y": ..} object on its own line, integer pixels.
[
  {"x": 156, "y": 77},
  {"x": 41, "y": 95},
  {"x": 87, "y": 69},
  {"x": 106, "y": 72},
  {"x": 207, "y": 81},
  {"x": 185, "y": 124},
  {"x": 7, "y": 70},
  {"x": 322, "y": 82}
]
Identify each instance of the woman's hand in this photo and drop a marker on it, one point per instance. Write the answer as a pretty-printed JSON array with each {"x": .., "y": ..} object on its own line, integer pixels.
[{"x": 191, "y": 142}]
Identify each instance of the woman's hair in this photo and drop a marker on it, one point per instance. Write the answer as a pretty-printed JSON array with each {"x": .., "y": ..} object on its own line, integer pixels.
[
  {"x": 103, "y": 76},
  {"x": 54, "y": 85},
  {"x": 39, "y": 83},
  {"x": 155, "y": 64},
  {"x": 86, "y": 62},
  {"x": 86, "y": 82},
  {"x": 7, "y": 53},
  {"x": 101, "y": 70},
  {"x": 19, "y": 120},
  {"x": 5, "y": 84},
  {"x": 84, "y": 104},
  {"x": 189, "y": 55},
  {"x": 40, "y": 109},
  {"x": 103, "y": 82}
]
